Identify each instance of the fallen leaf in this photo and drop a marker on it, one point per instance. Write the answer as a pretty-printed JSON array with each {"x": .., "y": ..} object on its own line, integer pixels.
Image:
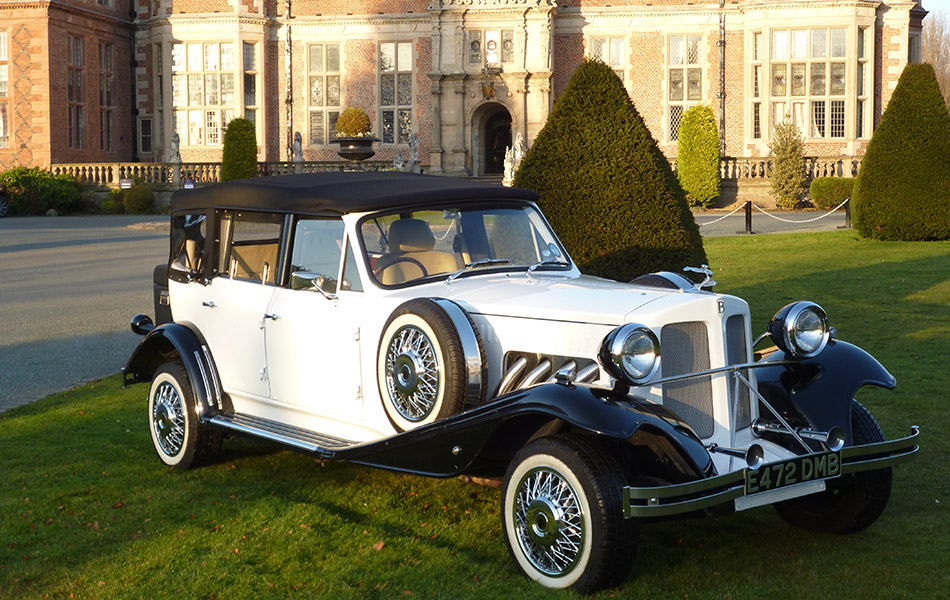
[
  {"x": 379, "y": 545},
  {"x": 118, "y": 505}
]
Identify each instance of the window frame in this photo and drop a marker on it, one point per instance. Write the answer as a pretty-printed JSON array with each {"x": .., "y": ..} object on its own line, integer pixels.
[
  {"x": 607, "y": 41},
  {"x": 686, "y": 67},
  {"x": 182, "y": 75},
  {"x": 328, "y": 112},
  {"x": 75, "y": 93},
  {"x": 397, "y": 107}
]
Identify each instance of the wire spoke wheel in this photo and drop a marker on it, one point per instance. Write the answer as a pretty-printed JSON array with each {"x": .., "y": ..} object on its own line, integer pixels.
[
  {"x": 412, "y": 373},
  {"x": 550, "y": 524},
  {"x": 168, "y": 419},
  {"x": 562, "y": 514}
]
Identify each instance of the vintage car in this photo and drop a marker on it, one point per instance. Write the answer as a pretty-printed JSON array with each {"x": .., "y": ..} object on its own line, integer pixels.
[{"x": 437, "y": 326}]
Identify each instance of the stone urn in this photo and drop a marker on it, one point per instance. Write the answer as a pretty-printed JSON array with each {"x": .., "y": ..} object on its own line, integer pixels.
[{"x": 356, "y": 149}]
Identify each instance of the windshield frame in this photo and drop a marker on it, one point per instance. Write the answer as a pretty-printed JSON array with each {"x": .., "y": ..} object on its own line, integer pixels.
[{"x": 486, "y": 204}]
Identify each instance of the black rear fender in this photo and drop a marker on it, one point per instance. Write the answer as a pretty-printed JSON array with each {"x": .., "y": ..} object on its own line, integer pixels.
[{"x": 177, "y": 341}]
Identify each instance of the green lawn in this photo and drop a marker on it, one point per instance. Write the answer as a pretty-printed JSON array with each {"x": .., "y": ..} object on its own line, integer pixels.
[{"x": 87, "y": 510}]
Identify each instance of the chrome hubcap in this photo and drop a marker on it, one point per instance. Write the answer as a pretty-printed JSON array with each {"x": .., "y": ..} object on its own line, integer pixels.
[
  {"x": 549, "y": 521},
  {"x": 168, "y": 419},
  {"x": 412, "y": 374}
]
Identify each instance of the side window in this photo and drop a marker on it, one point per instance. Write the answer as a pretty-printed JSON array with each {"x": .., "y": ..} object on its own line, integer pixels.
[
  {"x": 315, "y": 258},
  {"x": 189, "y": 233},
  {"x": 351, "y": 274},
  {"x": 254, "y": 245}
]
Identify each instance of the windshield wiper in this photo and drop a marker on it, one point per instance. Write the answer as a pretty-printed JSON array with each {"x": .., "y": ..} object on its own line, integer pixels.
[
  {"x": 554, "y": 262},
  {"x": 478, "y": 263}
]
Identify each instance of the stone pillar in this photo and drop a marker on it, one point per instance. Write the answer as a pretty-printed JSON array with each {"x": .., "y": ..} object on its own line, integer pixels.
[{"x": 435, "y": 152}]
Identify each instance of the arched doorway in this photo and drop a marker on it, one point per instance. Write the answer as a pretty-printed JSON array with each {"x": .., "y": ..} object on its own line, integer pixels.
[{"x": 496, "y": 134}]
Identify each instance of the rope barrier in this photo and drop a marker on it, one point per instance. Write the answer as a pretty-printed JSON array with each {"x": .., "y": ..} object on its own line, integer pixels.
[
  {"x": 741, "y": 206},
  {"x": 804, "y": 221}
]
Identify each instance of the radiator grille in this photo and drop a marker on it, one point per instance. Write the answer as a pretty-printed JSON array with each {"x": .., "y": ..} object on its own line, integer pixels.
[
  {"x": 685, "y": 349},
  {"x": 737, "y": 354}
]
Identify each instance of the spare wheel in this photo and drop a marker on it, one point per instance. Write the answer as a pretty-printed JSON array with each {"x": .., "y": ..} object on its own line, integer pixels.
[{"x": 430, "y": 362}]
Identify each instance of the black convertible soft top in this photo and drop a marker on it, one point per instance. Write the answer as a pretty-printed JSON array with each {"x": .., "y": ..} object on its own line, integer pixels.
[{"x": 341, "y": 193}]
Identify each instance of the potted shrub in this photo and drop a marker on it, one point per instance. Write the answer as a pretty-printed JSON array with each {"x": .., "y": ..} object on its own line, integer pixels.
[{"x": 354, "y": 134}]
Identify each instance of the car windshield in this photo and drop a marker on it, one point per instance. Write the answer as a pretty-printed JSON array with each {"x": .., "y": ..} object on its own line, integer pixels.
[{"x": 415, "y": 245}]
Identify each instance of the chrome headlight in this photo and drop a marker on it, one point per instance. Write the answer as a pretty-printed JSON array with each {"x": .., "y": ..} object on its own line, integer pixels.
[
  {"x": 631, "y": 353},
  {"x": 800, "y": 329}
]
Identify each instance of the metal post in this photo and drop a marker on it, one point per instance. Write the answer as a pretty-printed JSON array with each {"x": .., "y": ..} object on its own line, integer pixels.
[
  {"x": 748, "y": 219},
  {"x": 847, "y": 216}
]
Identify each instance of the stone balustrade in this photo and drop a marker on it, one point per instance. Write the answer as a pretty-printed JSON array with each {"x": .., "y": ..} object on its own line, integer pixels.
[
  {"x": 736, "y": 169},
  {"x": 108, "y": 175}
]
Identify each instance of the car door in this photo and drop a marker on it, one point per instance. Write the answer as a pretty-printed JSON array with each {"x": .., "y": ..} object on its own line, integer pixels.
[
  {"x": 312, "y": 339},
  {"x": 238, "y": 298}
]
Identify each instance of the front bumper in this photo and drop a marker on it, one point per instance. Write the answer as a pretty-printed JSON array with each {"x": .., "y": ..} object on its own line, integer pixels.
[{"x": 670, "y": 500}]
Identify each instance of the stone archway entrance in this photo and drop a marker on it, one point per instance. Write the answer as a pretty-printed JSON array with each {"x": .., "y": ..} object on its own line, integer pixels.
[{"x": 495, "y": 134}]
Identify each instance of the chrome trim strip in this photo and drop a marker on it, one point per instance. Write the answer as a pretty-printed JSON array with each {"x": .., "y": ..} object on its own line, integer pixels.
[
  {"x": 664, "y": 501},
  {"x": 473, "y": 358},
  {"x": 214, "y": 376},
  {"x": 536, "y": 374},
  {"x": 717, "y": 370},
  {"x": 204, "y": 381}
]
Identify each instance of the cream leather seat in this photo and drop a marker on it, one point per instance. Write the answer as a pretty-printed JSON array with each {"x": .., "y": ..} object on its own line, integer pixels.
[{"x": 411, "y": 246}]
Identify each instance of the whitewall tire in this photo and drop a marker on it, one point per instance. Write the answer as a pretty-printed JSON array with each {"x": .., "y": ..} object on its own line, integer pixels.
[
  {"x": 179, "y": 440},
  {"x": 562, "y": 515}
]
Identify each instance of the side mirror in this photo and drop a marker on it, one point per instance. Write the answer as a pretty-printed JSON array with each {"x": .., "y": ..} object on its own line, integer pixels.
[{"x": 304, "y": 280}]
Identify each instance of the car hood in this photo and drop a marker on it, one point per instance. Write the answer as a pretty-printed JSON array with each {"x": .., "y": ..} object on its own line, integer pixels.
[{"x": 583, "y": 299}]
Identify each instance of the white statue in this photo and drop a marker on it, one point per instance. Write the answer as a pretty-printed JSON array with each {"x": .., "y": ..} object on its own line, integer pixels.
[
  {"x": 175, "y": 156},
  {"x": 519, "y": 149},
  {"x": 297, "y": 148},
  {"x": 509, "y": 166},
  {"x": 413, "y": 148}
]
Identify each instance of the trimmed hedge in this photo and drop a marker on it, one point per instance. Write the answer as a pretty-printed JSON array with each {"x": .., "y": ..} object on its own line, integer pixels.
[
  {"x": 239, "y": 157},
  {"x": 829, "y": 192},
  {"x": 902, "y": 189},
  {"x": 608, "y": 191},
  {"x": 698, "y": 156},
  {"x": 33, "y": 191}
]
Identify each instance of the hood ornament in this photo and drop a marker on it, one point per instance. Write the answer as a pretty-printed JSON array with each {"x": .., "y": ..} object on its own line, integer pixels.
[{"x": 705, "y": 270}]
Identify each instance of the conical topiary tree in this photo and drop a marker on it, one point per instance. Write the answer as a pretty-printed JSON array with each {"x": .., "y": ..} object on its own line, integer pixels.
[
  {"x": 697, "y": 157},
  {"x": 608, "y": 191},
  {"x": 239, "y": 157},
  {"x": 787, "y": 182},
  {"x": 902, "y": 189}
]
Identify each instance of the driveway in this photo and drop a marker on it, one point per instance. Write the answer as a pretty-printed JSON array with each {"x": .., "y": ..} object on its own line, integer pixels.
[{"x": 68, "y": 286}]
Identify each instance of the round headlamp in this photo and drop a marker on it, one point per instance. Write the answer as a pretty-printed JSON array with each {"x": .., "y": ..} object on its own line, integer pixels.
[
  {"x": 631, "y": 353},
  {"x": 800, "y": 329}
]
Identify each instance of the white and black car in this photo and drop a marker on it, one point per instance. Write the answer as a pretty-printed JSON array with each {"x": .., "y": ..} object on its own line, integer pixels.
[{"x": 437, "y": 326}]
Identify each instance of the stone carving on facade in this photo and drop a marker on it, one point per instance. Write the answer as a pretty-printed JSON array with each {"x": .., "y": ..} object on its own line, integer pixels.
[
  {"x": 175, "y": 156},
  {"x": 437, "y": 4}
]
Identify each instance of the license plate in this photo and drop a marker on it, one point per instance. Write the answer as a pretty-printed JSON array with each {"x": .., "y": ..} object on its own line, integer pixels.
[{"x": 776, "y": 475}]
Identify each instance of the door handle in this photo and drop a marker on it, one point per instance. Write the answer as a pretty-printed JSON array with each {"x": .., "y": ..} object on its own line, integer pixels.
[
  {"x": 271, "y": 316},
  {"x": 208, "y": 304}
]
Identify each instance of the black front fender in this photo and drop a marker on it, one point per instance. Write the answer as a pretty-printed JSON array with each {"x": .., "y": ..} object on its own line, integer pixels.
[
  {"x": 819, "y": 390},
  {"x": 168, "y": 342},
  {"x": 483, "y": 440}
]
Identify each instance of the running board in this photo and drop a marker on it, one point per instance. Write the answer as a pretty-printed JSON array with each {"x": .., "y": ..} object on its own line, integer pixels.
[{"x": 322, "y": 445}]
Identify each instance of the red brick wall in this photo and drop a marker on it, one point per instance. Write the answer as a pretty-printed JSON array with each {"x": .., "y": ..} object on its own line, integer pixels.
[
  {"x": 568, "y": 54},
  {"x": 28, "y": 98},
  {"x": 646, "y": 79},
  {"x": 358, "y": 7}
]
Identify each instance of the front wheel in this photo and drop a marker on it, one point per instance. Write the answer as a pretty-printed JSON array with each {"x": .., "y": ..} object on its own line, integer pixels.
[
  {"x": 853, "y": 502},
  {"x": 179, "y": 439},
  {"x": 562, "y": 515}
]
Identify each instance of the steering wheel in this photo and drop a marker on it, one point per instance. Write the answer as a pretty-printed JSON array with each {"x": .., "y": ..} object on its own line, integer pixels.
[{"x": 379, "y": 270}]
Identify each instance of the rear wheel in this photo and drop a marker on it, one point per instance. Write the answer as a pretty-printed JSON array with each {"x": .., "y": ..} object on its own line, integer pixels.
[
  {"x": 179, "y": 439},
  {"x": 852, "y": 502},
  {"x": 562, "y": 515}
]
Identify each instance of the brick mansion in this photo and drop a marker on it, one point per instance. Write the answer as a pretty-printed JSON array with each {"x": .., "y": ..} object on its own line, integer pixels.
[{"x": 114, "y": 80}]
